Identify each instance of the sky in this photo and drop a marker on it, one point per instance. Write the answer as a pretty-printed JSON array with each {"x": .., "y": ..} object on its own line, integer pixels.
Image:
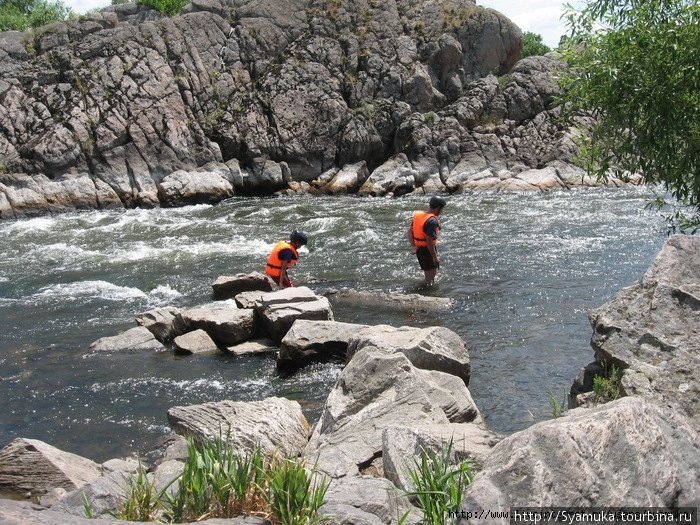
[{"x": 537, "y": 16}]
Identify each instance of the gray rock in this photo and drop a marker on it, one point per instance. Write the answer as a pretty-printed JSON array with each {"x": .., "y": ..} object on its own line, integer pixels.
[
  {"x": 315, "y": 341},
  {"x": 104, "y": 494},
  {"x": 256, "y": 347},
  {"x": 651, "y": 330},
  {"x": 402, "y": 447},
  {"x": 30, "y": 468},
  {"x": 279, "y": 318},
  {"x": 182, "y": 187},
  {"x": 166, "y": 475},
  {"x": 376, "y": 390},
  {"x": 276, "y": 424},
  {"x": 362, "y": 500},
  {"x": 630, "y": 451},
  {"x": 295, "y": 294},
  {"x": 133, "y": 340},
  {"x": 227, "y": 287},
  {"x": 129, "y": 465},
  {"x": 162, "y": 323},
  {"x": 349, "y": 179},
  {"x": 226, "y": 326},
  {"x": 434, "y": 348},
  {"x": 195, "y": 342},
  {"x": 395, "y": 176},
  {"x": 25, "y": 513}
]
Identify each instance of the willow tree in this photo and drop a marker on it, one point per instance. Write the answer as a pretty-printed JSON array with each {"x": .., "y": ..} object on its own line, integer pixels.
[{"x": 635, "y": 64}]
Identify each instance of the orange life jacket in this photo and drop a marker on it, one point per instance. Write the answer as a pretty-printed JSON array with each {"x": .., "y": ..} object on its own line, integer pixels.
[
  {"x": 419, "y": 220},
  {"x": 273, "y": 268}
]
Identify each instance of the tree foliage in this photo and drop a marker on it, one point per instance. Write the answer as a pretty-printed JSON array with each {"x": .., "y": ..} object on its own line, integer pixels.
[
  {"x": 533, "y": 46},
  {"x": 635, "y": 64},
  {"x": 168, "y": 7},
  {"x": 23, "y": 14}
]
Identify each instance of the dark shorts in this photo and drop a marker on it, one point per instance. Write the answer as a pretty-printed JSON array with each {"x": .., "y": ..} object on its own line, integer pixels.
[{"x": 425, "y": 259}]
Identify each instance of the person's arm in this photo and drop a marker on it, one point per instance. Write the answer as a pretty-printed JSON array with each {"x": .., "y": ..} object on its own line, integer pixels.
[
  {"x": 410, "y": 235},
  {"x": 432, "y": 248},
  {"x": 283, "y": 274}
]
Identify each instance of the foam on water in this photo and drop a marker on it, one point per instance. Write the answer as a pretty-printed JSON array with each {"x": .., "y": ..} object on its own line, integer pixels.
[{"x": 87, "y": 289}]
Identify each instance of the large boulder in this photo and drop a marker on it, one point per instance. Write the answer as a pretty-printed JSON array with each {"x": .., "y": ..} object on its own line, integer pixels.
[
  {"x": 135, "y": 339},
  {"x": 376, "y": 390},
  {"x": 315, "y": 341},
  {"x": 652, "y": 330},
  {"x": 279, "y": 318},
  {"x": 276, "y": 424},
  {"x": 103, "y": 494},
  {"x": 434, "y": 348},
  {"x": 182, "y": 187},
  {"x": 628, "y": 452},
  {"x": 226, "y": 326},
  {"x": 163, "y": 323},
  {"x": 227, "y": 287},
  {"x": 30, "y": 468}
]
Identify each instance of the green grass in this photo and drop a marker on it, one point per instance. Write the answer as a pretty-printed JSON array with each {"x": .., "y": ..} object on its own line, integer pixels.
[
  {"x": 558, "y": 409},
  {"x": 439, "y": 485}
]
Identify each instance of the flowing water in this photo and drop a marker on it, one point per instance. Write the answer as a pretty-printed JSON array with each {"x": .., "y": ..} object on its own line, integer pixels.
[{"x": 524, "y": 270}]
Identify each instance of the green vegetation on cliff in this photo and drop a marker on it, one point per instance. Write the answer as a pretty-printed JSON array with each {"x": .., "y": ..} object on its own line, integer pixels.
[
  {"x": 23, "y": 14},
  {"x": 638, "y": 64},
  {"x": 533, "y": 45}
]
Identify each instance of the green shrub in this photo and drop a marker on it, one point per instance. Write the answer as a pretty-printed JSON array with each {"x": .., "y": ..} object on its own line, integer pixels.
[
  {"x": 608, "y": 387},
  {"x": 533, "y": 46},
  {"x": 141, "y": 502},
  {"x": 293, "y": 497},
  {"x": 22, "y": 14},
  {"x": 167, "y": 7},
  {"x": 558, "y": 409}
]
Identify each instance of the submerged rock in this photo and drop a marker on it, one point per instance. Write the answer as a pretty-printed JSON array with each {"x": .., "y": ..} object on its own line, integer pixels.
[
  {"x": 133, "y": 340},
  {"x": 394, "y": 301}
]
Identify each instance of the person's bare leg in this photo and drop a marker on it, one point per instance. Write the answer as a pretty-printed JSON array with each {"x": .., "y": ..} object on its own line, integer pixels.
[{"x": 430, "y": 276}]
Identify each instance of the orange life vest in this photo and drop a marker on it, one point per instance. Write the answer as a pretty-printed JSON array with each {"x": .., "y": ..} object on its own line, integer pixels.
[
  {"x": 419, "y": 220},
  {"x": 273, "y": 268}
]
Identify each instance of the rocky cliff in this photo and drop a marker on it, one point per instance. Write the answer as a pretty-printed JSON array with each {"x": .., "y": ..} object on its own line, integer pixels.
[{"x": 127, "y": 107}]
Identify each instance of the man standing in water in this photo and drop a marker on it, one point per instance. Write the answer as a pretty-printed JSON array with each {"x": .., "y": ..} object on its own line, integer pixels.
[
  {"x": 423, "y": 234},
  {"x": 283, "y": 256}
]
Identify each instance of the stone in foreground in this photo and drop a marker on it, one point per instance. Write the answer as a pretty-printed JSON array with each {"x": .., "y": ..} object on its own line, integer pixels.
[
  {"x": 133, "y": 340},
  {"x": 362, "y": 500},
  {"x": 321, "y": 341},
  {"x": 629, "y": 451},
  {"x": 277, "y": 424},
  {"x": 227, "y": 287},
  {"x": 30, "y": 468}
]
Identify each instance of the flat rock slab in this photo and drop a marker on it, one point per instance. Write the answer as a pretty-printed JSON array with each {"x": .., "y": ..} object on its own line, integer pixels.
[
  {"x": 323, "y": 341},
  {"x": 226, "y": 326},
  {"x": 261, "y": 300},
  {"x": 227, "y": 286},
  {"x": 392, "y": 301},
  {"x": 434, "y": 348},
  {"x": 162, "y": 323},
  {"x": 136, "y": 339},
  {"x": 651, "y": 330},
  {"x": 26, "y": 513},
  {"x": 277, "y": 424},
  {"x": 196, "y": 342},
  {"x": 255, "y": 347},
  {"x": 631, "y": 451},
  {"x": 279, "y": 318},
  {"x": 30, "y": 468}
]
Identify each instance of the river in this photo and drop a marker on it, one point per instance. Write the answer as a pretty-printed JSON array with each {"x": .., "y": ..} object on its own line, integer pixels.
[{"x": 524, "y": 270}]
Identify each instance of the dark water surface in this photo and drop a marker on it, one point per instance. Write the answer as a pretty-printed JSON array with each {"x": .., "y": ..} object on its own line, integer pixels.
[{"x": 524, "y": 271}]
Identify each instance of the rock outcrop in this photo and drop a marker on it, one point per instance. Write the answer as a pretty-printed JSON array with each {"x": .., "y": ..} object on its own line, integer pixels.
[
  {"x": 630, "y": 451},
  {"x": 126, "y": 107},
  {"x": 308, "y": 341},
  {"x": 651, "y": 330},
  {"x": 135, "y": 339}
]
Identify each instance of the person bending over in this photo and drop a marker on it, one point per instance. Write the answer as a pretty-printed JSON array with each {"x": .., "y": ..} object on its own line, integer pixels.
[{"x": 283, "y": 256}]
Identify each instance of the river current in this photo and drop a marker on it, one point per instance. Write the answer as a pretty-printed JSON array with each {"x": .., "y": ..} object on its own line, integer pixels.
[{"x": 523, "y": 270}]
